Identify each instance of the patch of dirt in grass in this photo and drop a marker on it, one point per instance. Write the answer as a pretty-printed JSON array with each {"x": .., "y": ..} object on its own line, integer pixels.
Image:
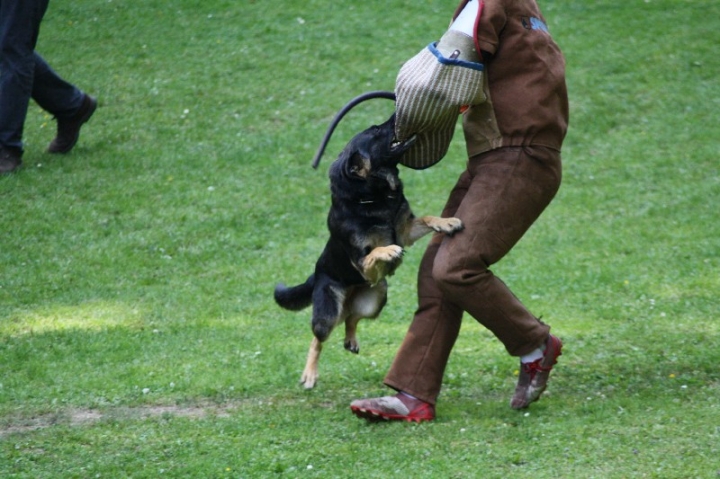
[{"x": 82, "y": 417}]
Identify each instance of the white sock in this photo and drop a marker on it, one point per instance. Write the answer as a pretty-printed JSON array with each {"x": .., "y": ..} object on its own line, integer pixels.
[
  {"x": 408, "y": 395},
  {"x": 532, "y": 356}
]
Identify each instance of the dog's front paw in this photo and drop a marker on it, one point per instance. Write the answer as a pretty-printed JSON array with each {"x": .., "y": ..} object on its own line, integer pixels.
[
  {"x": 381, "y": 262},
  {"x": 449, "y": 226},
  {"x": 388, "y": 254},
  {"x": 383, "y": 254}
]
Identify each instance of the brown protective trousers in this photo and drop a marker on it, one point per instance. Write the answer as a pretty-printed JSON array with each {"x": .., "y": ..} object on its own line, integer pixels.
[{"x": 498, "y": 197}]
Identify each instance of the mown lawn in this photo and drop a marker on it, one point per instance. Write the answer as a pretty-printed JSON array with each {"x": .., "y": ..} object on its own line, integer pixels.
[{"x": 138, "y": 335}]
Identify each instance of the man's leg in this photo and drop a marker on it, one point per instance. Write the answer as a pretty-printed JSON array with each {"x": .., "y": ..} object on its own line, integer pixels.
[
  {"x": 511, "y": 187},
  {"x": 498, "y": 199},
  {"x": 52, "y": 93},
  {"x": 19, "y": 29},
  {"x": 420, "y": 363},
  {"x": 71, "y": 107}
]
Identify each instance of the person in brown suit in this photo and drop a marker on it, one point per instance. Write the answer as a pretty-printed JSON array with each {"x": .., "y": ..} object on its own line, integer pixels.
[{"x": 513, "y": 141}]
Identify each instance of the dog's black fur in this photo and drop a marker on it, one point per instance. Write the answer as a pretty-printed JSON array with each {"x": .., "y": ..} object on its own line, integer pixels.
[{"x": 370, "y": 222}]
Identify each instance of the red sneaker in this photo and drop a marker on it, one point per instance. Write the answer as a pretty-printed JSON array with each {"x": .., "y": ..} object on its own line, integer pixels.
[
  {"x": 534, "y": 376},
  {"x": 393, "y": 408}
]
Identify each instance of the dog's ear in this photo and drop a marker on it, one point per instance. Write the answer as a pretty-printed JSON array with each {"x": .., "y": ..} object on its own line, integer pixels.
[{"x": 359, "y": 165}]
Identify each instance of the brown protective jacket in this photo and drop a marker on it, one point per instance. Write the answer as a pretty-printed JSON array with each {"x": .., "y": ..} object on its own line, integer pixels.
[{"x": 524, "y": 82}]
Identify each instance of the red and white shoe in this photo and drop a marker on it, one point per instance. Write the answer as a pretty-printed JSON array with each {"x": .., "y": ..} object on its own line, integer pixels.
[
  {"x": 393, "y": 408},
  {"x": 534, "y": 376}
]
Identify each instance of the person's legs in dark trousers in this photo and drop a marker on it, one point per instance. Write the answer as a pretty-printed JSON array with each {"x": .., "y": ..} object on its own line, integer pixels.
[
  {"x": 54, "y": 94},
  {"x": 498, "y": 198},
  {"x": 24, "y": 74},
  {"x": 19, "y": 29}
]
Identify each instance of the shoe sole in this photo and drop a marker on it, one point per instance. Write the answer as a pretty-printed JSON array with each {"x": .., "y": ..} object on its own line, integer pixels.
[{"x": 377, "y": 416}]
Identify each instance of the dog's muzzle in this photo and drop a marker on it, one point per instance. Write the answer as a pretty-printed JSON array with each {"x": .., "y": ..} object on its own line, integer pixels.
[{"x": 399, "y": 147}]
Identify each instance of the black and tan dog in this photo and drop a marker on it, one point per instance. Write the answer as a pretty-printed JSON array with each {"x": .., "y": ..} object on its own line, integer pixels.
[{"x": 370, "y": 223}]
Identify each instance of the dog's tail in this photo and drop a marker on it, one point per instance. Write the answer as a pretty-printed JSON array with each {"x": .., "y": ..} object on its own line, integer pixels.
[{"x": 297, "y": 297}]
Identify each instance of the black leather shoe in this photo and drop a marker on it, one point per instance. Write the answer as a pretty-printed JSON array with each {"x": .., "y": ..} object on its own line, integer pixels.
[
  {"x": 10, "y": 160},
  {"x": 68, "y": 129}
]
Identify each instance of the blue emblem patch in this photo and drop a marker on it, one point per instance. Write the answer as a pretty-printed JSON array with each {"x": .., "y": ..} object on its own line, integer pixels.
[{"x": 534, "y": 23}]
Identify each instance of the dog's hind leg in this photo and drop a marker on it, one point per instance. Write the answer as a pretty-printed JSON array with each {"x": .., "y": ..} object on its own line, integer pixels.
[
  {"x": 310, "y": 373},
  {"x": 328, "y": 299},
  {"x": 351, "y": 342},
  {"x": 366, "y": 302}
]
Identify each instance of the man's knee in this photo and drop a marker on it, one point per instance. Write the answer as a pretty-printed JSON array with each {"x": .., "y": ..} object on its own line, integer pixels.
[
  {"x": 454, "y": 273},
  {"x": 449, "y": 275},
  {"x": 442, "y": 275}
]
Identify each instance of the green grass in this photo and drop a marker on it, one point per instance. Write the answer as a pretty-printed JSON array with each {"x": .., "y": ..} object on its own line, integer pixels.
[{"x": 138, "y": 336}]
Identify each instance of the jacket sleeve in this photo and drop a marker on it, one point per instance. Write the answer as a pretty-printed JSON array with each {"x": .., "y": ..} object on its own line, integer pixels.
[{"x": 492, "y": 21}]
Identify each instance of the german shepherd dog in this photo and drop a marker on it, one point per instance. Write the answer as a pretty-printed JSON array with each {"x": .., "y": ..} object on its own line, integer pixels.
[{"x": 370, "y": 224}]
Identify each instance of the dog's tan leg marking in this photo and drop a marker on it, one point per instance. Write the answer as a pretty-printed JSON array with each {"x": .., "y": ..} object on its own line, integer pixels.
[
  {"x": 374, "y": 264},
  {"x": 383, "y": 253},
  {"x": 425, "y": 224},
  {"x": 351, "y": 342},
  {"x": 310, "y": 374}
]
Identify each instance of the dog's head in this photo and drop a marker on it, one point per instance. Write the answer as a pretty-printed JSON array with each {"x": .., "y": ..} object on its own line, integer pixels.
[{"x": 374, "y": 153}]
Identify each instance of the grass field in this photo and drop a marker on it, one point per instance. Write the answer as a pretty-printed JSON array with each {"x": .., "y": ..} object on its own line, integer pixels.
[{"x": 138, "y": 335}]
